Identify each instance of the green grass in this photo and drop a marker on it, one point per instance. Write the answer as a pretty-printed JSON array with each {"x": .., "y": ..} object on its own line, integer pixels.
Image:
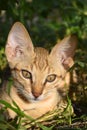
[
  {"x": 52, "y": 120},
  {"x": 48, "y": 22}
]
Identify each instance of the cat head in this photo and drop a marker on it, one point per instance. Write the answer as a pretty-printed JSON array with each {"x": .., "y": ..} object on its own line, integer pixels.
[{"x": 35, "y": 71}]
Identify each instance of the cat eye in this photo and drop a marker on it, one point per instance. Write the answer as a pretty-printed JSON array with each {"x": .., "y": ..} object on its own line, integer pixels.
[
  {"x": 26, "y": 74},
  {"x": 51, "y": 78}
]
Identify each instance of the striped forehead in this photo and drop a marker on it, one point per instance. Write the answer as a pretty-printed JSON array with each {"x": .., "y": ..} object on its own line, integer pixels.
[{"x": 41, "y": 58}]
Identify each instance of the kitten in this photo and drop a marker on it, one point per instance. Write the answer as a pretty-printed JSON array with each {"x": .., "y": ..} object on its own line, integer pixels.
[{"x": 41, "y": 79}]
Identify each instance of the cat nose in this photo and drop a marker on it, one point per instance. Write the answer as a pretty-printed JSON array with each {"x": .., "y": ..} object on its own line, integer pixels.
[{"x": 36, "y": 94}]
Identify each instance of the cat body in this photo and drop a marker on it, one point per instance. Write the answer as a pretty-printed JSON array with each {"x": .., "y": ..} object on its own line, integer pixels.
[{"x": 41, "y": 79}]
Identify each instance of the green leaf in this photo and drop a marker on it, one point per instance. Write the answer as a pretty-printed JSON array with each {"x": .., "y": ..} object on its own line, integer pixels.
[
  {"x": 81, "y": 64},
  {"x": 16, "y": 110},
  {"x": 44, "y": 127}
]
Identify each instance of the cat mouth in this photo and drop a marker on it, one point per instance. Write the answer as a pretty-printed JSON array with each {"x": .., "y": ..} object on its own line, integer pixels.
[{"x": 37, "y": 99}]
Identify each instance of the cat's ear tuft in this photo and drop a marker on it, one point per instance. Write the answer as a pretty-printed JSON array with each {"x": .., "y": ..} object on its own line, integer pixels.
[
  {"x": 64, "y": 51},
  {"x": 18, "y": 42}
]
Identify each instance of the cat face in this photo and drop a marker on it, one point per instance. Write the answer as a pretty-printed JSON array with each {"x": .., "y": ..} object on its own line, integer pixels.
[
  {"x": 36, "y": 73},
  {"x": 36, "y": 80}
]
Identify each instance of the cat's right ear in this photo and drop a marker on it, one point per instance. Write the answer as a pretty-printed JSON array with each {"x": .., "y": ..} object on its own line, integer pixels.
[{"x": 18, "y": 43}]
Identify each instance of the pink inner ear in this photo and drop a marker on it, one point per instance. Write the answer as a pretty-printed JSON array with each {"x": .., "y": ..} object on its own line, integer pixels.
[
  {"x": 10, "y": 52},
  {"x": 18, "y": 51},
  {"x": 63, "y": 57},
  {"x": 67, "y": 63}
]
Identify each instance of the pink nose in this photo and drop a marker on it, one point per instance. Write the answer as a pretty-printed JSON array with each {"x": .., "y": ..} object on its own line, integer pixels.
[{"x": 36, "y": 94}]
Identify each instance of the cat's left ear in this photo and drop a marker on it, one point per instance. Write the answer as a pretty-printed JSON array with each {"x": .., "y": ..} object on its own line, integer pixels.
[
  {"x": 18, "y": 43},
  {"x": 64, "y": 51}
]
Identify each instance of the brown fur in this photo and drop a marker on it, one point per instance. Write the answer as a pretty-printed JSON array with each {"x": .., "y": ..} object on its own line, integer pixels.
[{"x": 48, "y": 84}]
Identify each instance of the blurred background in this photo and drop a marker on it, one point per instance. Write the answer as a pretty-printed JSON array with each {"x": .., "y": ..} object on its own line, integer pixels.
[{"x": 47, "y": 23}]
